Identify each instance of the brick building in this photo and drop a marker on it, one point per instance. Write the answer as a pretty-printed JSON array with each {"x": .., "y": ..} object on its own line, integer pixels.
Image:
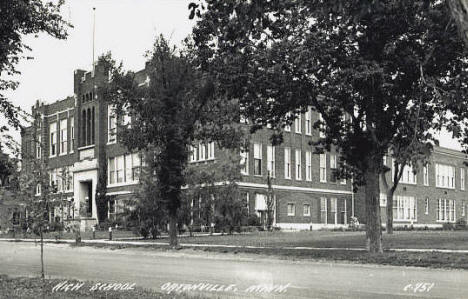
[{"x": 79, "y": 139}]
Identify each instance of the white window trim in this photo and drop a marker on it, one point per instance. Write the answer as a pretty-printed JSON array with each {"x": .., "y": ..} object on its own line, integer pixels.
[
  {"x": 298, "y": 164},
  {"x": 256, "y": 157},
  {"x": 308, "y": 166},
  {"x": 287, "y": 167},
  {"x": 462, "y": 178},
  {"x": 53, "y": 124},
  {"x": 306, "y": 214},
  {"x": 111, "y": 114},
  {"x": 447, "y": 210},
  {"x": 271, "y": 163},
  {"x": 324, "y": 208},
  {"x": 298, "y": 123},
  {"x": 245, "y": 156},
  {"x": 444, "y": 167},
  {"x": 308, "y": 121},
  {"x": 415, "y": 208},
  {"x": 72, "y": 135},
  {"x": 66, "y": 137},
  {"x": 293, "y": 213},
  {"x": 323, "y": 165}
]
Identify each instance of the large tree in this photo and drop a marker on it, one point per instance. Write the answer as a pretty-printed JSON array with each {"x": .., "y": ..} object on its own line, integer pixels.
[
  {"x": 176, "y": 107},
  {"x": 19, "y": 18},
  {"x": 380, "y": 73}
]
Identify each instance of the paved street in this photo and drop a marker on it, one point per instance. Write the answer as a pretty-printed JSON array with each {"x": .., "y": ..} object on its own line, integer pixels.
[{"x": 152, "y": 269}]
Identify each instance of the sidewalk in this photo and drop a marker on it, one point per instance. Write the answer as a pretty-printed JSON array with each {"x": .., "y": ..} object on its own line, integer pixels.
[{"x": 192, "y": 245}]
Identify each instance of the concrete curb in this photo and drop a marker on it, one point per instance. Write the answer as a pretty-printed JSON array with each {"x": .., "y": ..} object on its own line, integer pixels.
[{"x": 191, "y": 245}]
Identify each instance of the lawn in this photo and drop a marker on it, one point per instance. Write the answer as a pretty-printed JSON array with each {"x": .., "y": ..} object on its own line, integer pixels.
[
  {"x": 22, "y": 287},
  {"x": 329, "y": 239},
  {"x": 88, "y": 235}
]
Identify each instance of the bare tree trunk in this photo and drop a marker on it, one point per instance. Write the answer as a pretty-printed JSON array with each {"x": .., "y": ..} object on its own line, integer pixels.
[
  {"x": 42, "y": 252},
  {"x": 390, "y": 192},
  {"x": 373, "y": 221},
  {"x": 459, "y": 10},
  {"x": 173, "y": 241}
]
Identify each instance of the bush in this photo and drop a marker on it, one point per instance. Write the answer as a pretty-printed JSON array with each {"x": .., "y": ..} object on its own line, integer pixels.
[
  {"x": 354, "y": 223},
  {"x": 448, "y": 226},
  {"x": 460, "y": 224},
  {"x": 253, "y": 220}
]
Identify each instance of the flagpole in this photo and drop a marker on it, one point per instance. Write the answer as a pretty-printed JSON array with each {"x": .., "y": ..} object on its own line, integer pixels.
[{"x": 94, "y": 32}]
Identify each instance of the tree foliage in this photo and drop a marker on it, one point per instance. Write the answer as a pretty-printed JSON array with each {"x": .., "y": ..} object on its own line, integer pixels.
[
  {"x": 175, "y": 107},
  {"x": 383, "y": 75},
  {"x": 19, "y": 18}
]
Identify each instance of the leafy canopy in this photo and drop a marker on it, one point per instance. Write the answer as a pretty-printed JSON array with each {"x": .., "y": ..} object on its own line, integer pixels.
[{"x": 383, "y": 74}]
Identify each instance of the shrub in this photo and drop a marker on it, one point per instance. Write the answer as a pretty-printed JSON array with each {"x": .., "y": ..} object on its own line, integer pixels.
[
  {"x": 460, "y": 224},
  {"x": 253, "y": 220},
  {"x": 354, "y": 223},
  {"x": 448, "y": 226}
]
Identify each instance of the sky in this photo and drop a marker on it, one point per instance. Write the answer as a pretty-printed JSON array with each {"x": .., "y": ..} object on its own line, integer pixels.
[{"x": 126, "y": 28}]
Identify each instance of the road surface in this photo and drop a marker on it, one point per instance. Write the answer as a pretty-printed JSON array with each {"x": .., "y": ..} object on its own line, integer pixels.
[{"x": 247, "y": 275}]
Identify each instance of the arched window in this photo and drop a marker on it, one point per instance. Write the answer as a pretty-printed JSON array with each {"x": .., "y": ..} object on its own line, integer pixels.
[{"x": 83, "y": 128}]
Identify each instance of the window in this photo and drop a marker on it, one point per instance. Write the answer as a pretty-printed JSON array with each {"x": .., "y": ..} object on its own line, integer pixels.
[
  {"x": 308, "y": 166},
  {"x": 119, "y": 169},
  {"x": 308, "y": 121},
  {"x": 244, "y": 162},
  {"x": 60, "y": 180},
  {"x": 306, "y": 210},
  {"x": 211, "y": 150},
  {"x": 193, "y": 155},
  {"x": 136, "y": 166},
  {"x": 445, "y": 176},
  {"x": 322, "y": 126},
  {"x": 53, "y": 179},
  {"x": 124, "y": 168},
  {"x": 53, "y": 139},
  {"x": 63, "y": 136},
  {"x": 462, "y": 178},
  {"x": 426, "y": 176},
  {"x": 323, "y": 210},
  {"x": 298, "y": 165},
  {"x": 463, "y": 210},
  {"x": 323, "y": 168},
  {"x": 72, "y": 133},
  {"x": 112, "y": 124},
  {"x": 126, "y": 118},
  {"x": 344, "y": 213},
  {"x": 408, "y": 176},
  {"x": 333, "y": 161},
  {"x": 257, "y": 159},
  {"x": 446, "y": 210},
  {"x": 426, "y": 206},
  {"x": 38, "y": 146},
  {"x": 333, "y": 168},
  {"x": 334, "y": 209},
  {"x": 260, "y": 202},
  {"x": 404, "y": 208},
  {"x": 271, "y": 160},
  {"x": 291, "y": 209},
  {"x": 287, "y": 127},
  {"x": 128, "y": 169},
  {"x": 287, "y": 163},
  {"x": 38, "y": 189},
  {"x": 201, "y": 152},
  {"x": 69, "y": 180},
  {"x": 111, "y": 167},
  {"x": 298, "y": 123}
]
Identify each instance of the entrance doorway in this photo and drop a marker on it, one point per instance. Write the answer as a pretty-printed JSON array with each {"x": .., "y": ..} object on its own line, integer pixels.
[{"x": 86, "y": 198}]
